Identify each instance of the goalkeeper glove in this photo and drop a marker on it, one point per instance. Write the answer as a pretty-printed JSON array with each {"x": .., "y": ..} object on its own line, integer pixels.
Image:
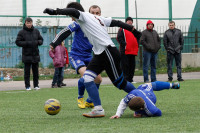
[{"x": 50, "y": 11}]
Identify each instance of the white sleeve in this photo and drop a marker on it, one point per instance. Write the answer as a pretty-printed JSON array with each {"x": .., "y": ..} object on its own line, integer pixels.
[
  {"x": 121, "y": 108},
  {"x": 107, "y": 21},
  {"x": 82, "y": 16}
]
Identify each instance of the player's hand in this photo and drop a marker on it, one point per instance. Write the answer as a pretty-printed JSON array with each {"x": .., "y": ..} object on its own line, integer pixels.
[
  {"x": 50, "y": 11},
  {"x": 51, "y": 47},
  {"x": 137, "y": 115},
  {"x": 114, "y": 117},
  {"x": 67, "y": 65}
]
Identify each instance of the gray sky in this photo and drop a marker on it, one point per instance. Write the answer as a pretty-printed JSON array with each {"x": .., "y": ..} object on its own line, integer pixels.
[{"x": 110, "y": 8}]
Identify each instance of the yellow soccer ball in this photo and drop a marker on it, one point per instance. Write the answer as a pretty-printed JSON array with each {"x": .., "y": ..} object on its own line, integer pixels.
[{"x": 52, "y": 106}]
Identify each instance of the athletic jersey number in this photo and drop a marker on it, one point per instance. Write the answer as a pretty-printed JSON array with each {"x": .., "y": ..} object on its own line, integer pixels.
[{"x": 99, "y": 21}]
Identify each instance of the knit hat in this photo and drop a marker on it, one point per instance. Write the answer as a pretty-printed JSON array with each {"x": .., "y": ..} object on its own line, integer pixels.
[{"x": 129, "y": 18}]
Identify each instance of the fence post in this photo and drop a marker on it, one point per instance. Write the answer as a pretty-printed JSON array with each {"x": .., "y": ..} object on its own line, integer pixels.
[
  {"x": 126, "y": 9},
  {"x": 196, "y": 40},
  {"x": 24, "y": 10}
]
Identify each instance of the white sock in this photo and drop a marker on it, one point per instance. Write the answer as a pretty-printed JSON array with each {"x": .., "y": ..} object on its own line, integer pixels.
[
  {"x": 170, "y": 85},
  {"x": 99, "y": 107}
]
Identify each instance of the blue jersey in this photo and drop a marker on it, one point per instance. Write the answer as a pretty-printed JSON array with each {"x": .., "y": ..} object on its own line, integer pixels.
[
  {"x": 145, "y": 91},
  {"x": 81, "y": 45}
]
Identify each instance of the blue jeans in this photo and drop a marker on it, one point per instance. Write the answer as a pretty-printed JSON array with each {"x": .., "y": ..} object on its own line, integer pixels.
[
  {"x": 149, "y": 58},
  {"x": 57, "y": 76}
]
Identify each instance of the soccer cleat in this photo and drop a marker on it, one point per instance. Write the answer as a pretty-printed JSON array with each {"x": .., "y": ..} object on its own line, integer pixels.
[
  {"x": 180, "y": 80},
  {"x": 63, "y": 84},
  {"x": 176, "y": 85},
  {"x": 95, "y": 113},
  {"x": 28, "y": 88},
  {"x": 81, "y": 103},
  {"x": 89, "y": 105},
  {"x": 37, "y": 88}
]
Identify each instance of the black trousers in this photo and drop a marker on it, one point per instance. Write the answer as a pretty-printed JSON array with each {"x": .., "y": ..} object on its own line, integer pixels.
[
  {"x": 170, "y": 58},
  {"x": 128, "y": 66},
  {"x": 27, "y": 68},
  {"x": 109, "y": 60}
]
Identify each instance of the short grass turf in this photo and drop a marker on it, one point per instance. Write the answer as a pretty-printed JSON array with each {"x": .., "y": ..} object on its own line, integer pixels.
[{"x": 23, "y": 111}]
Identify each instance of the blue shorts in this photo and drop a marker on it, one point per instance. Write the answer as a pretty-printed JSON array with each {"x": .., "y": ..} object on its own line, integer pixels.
[{"x": 77, "y": 62}]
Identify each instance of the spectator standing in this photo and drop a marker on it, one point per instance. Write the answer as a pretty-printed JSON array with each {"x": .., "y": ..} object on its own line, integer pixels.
[
  {"x": 59, "y": 60},
  {"x": 29, "y": 39},
  {"x": 128, "y": 49},
  {"x": 67, "y": 64},
  {"x": 173, "y": 42},
  {"x": 151, "y": 44}
]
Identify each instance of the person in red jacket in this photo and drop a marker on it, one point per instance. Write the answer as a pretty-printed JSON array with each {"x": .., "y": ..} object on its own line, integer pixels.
[{"x": 129, "y": 49}]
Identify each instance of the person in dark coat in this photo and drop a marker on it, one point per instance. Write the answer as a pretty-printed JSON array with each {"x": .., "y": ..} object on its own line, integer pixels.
[
  {"x": 150, "y": 41},
  {"x": 128, "y": 49},
  {"x": 173, "y": 42},
  {"x": 29, "y": 39}
]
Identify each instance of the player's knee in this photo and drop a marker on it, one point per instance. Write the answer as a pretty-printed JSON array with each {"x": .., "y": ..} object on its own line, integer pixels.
[
  {"x": 89, "y": 76},
  {"x": 98, "y": 79}
]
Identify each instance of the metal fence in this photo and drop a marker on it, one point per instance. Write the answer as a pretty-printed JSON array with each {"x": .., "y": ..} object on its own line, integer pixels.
[{"x": 11, "y": 55}]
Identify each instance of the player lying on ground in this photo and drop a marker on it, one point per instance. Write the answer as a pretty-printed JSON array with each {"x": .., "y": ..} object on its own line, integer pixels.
[
  {"x": 106, "y": 55},
  {"x": 142, "y": 100}
]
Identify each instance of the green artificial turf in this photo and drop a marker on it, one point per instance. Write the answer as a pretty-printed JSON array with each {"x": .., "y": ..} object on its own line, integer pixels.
[{"x": 23, "y": 111}]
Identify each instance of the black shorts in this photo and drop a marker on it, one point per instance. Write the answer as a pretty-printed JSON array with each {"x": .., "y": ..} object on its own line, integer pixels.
[{"x": 108, "y": 60}]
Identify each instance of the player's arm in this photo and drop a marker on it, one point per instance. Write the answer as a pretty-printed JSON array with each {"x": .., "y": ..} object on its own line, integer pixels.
[
  {"x": 62, "y": 35},
  {"x": 117, "y": 23},
  {"x": 120, "y": 110},
  {"x": 66, "y": 11}
]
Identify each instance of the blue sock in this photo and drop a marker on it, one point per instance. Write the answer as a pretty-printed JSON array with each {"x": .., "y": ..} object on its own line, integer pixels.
[
  {"x": 160, "y": 85},
  {"x": 129, "y": 87},
  {"x": 93, "y": 92},
  {"x": 81, "y": 88},
  {"x": 97, "y": 85},
  {"x": 89, "y": 99}
]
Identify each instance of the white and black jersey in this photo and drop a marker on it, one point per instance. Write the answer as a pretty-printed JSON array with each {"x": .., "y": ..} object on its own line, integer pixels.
[
  {"x": 95, "y": 28},
  {"x": 106, "y": 57}
]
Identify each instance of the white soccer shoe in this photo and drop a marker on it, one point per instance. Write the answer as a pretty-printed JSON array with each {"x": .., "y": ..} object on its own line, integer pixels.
[
  {"x": 37, "y": 88},
  {"x": 28, "y": 88},
  {"x": 95, "y": 113}
]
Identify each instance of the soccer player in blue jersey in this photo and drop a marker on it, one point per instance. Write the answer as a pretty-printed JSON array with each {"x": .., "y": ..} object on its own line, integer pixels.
[
  {"x": 80, "y": 55},
  {"x": 142, "y": 100}
]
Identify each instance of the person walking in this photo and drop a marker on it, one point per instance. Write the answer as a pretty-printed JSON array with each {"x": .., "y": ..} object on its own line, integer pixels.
[
  {"x": 150, "y": 41},
  {"x": 173, "y": 42},
  {"x": 59, "y": 57},
  {"x": 29, "y": 39},
  {"x": 128, "y": 49}
]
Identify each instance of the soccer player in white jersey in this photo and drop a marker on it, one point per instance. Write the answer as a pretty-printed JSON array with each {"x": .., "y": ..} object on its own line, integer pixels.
[
  {"x": 142, "y": 100},
  {"x": 80, "y": 54},
  {"x": 106, "y": 55}
]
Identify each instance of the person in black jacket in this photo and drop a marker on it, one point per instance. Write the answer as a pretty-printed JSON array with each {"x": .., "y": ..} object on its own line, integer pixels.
[
  {"x": 150, "y": 41},
  {"x": 173, "y": 42},
  {"x": 29, "y": 39},
  {"x": 128, "y": 49}
]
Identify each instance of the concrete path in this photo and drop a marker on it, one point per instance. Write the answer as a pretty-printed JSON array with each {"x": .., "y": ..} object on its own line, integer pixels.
[{"x": 19, "y": 85}]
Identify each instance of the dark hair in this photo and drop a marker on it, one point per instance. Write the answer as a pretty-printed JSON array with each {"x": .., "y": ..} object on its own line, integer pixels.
[
  {"x": 129, "y": 18},
  {"x": 170, "y": 22},
  {"x": 28, "y": 20},
  {"x": 136, "y": 103},
  {"x": 95, "y": 6},
  {"x": 75, "y": 5}
]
